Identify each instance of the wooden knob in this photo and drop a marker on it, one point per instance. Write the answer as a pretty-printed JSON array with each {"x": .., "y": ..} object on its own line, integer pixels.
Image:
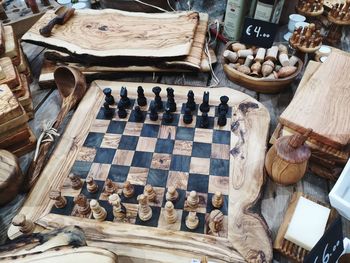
[{"x": 11, "y": 177}]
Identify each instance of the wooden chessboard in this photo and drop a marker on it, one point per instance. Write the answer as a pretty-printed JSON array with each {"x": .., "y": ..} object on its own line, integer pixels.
[{"x": 228, "y": 159}]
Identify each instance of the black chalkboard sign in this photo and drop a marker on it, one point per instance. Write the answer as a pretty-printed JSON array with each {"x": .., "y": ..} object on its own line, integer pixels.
[
  {"x": 329, "y": 248},
  {"x": 258, "y": 33}
]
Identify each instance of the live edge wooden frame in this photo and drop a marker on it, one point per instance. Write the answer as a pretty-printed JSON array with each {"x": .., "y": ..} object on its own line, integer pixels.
[{"x": 248, "y": 235}]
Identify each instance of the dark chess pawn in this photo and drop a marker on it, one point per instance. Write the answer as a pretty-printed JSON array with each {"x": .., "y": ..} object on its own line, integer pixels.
[
  {"x": 109, "y": 98},
  {"x": 121, "y": 112},
  {"x": 191, "y": 104},
  {"x": 223, "y": 107},
  {"x": 222, "y": 119},
  {"x": 153, "y": 115},
  {"x": 157, "y": 98},
  {"x": 124, "y": 100},
  {"x": 141, "y": 99},
  {"x": 108, "y": 111},
  {"x": 171, "y": 101},
  {"x": 168, "y": 116},
  {"x": 138, "y": 114},
  {"x": 188, "y": 116},
  {"x": 204, "y": 123},
  {"x": 204, "y": 107}
]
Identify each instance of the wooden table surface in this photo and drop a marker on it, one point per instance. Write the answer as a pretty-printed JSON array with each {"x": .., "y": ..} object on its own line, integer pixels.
[{"x": 275, "y": 198}]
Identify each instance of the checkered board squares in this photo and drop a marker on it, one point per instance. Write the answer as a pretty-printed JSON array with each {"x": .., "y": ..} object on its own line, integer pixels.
[{"x": 181, "y": 155}]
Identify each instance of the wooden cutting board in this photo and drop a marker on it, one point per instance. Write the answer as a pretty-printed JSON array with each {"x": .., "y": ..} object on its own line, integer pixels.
[
  {"x": 323, "y": 103},
  {"x": 9, "y": 105},
  {"x": 11, "y": 75},
  {"x": 109, "y": 33}
]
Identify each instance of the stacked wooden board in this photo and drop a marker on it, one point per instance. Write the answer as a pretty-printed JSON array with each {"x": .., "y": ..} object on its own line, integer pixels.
[
  {"x": 14, "y": 70},
  {"x": 15, "y": 134},
  {"x": 114, "y": 40},
  {"x": 322, "y": 104}
]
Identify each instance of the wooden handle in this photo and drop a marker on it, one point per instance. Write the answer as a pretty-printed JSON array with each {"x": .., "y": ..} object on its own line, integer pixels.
[
  {"x": 69, "y": 13},
  {"x": 298, "y": 140},
  {"x": 46, "y": 30}
]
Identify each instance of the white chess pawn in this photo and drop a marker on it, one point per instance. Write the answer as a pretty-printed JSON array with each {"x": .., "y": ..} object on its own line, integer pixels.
[
  {"x": 98, "y": 211},
  {"x": 170, "y": 213}
]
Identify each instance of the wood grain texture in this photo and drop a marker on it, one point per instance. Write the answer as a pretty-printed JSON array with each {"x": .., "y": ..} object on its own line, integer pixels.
[
  {"x": 9, "y": 106},
  {"x": 107, "y": 33},
  {"x": 322, "y": 104},
  {"x": 12, "y": 78},
  {"x": 11, "y": 45},
  {"x": 247, "y": 231}
]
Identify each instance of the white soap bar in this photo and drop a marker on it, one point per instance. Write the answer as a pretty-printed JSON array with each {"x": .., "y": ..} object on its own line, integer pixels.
[{"x": 308, "y": 223}]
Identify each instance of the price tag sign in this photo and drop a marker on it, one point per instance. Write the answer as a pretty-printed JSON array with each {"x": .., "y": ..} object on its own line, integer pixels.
[
  {"x": 329, "y": 248},
  {"x": 258, "y": 33}
]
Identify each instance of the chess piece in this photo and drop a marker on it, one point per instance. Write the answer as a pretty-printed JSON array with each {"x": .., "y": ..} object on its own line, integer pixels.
[
  {"x": 26, "y": 226},
  {"x": 91, "y": 185},
  {"x": 223, "y": 107},
  {"x": 141, "y": 99},
  {"x": 60, "y": 201},
  {"x": 168, "y": 116},
  {"x": 222, "y": 119},
  {"x": 109, "y": 187},
  {"x": 138, "y": 114},
  {"x": 217, "y": 200},
  {"x": 75, "y": 181},
  {"x": 157, "y": 99},
  {"x": 204, "y": 123},
  {"x": 150, "y": 193},
  {"x": 193, "y": 200},
  {"x": 191, "y": 104},
  {"x": 144, "y": 210},
  {"x": 83, "y": 204},
  {"x": 216, "y": 221},
  {"x": 192, "y": 220},
  {"x": 171, "y": 101},
  {"x": 204, "y": 107},
  {"x": 119, "y": 210},
  {"x": 124, "y": 100},
  {"x": 109, "y": 98},
  {"x": 172, "y": 194},
  {"x": 98, "y": 211},
  {"x": 122, "y": 111},
  {"x": 128, "y": 189},
  {"x": 187, "y": 118},
  {"x": 153, "y": 112},
  {"x": 108, "y": 111},
  {"x": 170, "y": 214}
]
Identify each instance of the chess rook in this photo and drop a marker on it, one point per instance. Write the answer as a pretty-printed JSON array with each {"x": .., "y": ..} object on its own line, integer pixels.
[
  {"x": 109, "y": 188},
  {"x": 192, "y": 220},
  {"x": 98, "y": 211},
  {"x": 170, "y": 213},
  {"x": 144, "y": 210},
  {"x": 76, "y": 182},
  {"x": 150, "y": 193},
  {"x": 91, "y": 185},
  {"x": 216, "y": 220},
  {"x": 26, "y": 226},
  {"x": 217, "y": 200},
  {"x": 157, "y": 99},
  {"x": 141, "y": 99},
  {"x": 119, "y": 210},
  {"x": 171, "y": 194},
  {"x": 82, "y": 204},
  {"x": 60, "y": 201},
  {"x": 193, "y": 200},
  {"x": 128, "y": 189},
  {"x": 109, "y": 98}
]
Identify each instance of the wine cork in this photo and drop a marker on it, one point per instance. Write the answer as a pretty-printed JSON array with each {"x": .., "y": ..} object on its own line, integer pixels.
[
  {"x": 284, "y": 60},
  {"x": 244, "y": 53},
  {"x": 249, "y": 61},
  {"x": 231, "y": 56},
  {"x": 260, "y": 55},
  {"x": 271, "y": 53},
  {"x": 238, "y": 46}
]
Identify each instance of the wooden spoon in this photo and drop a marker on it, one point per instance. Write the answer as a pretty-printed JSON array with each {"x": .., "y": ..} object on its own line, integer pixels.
[{"x": 72, "y": 86}]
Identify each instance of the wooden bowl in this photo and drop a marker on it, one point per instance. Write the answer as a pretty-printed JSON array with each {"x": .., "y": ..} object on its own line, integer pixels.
[{"x": 259, "y": 84}]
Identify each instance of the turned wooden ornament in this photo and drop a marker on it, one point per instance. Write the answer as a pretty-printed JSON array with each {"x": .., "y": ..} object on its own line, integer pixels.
[{"x": 286, "y": 161}]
